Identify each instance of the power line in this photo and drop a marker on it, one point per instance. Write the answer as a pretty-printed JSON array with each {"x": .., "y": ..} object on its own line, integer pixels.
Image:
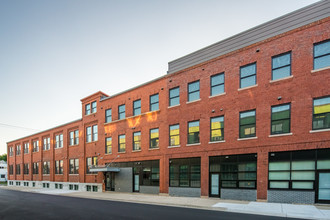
[{"x": 19, "y": 127}]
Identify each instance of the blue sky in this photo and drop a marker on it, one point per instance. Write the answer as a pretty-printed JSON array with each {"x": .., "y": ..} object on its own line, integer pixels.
[{"x": 53, "y": 53}]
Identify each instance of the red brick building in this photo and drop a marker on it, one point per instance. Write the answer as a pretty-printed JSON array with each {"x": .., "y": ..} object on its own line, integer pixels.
[{"x": 246, "y": 118}]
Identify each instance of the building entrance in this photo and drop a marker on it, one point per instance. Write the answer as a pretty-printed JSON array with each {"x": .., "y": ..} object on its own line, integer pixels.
[
  {"x": 323, "y": 191},
  {"x": 110, "y": 181}
]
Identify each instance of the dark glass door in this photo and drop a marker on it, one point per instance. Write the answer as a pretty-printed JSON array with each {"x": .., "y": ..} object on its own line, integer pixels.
[{"x": 109, "y": 181}]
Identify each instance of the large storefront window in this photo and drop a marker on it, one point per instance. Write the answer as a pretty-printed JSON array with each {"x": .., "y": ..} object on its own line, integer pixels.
[
  {"x": 298, "y": 169},
  {"x": 148, "y": 171},
  {"x": 185, "y": 172},
  {"x": 236, "y": 171}
]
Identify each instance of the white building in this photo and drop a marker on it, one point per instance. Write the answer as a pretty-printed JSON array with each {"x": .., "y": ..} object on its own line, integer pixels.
[{"x": 3, "y": 171}]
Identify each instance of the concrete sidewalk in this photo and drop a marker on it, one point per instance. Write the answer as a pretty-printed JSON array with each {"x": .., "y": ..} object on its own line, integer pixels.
[{"x": 215, "y": 204}]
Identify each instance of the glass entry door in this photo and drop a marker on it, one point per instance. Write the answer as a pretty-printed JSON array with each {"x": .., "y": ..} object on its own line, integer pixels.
[
  {"x": 215, "y": 187},
  {"x": 109, "y": 181},
  {"x": 324, "y": 187},
  {"x": 136, "y": 183}
]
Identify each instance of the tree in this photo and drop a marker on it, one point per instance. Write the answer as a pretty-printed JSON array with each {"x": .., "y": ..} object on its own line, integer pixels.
[{"x": 3, "y": 157}]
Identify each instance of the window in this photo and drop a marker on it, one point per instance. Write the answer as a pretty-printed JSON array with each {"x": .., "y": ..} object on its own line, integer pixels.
[
  {"x": 91, "y": 133},
  {"x": 193, "y": 132},
  {"x": 121, "y": 143},
  {"x": 185, "y": 172},
  {"x": 217, "y": 84},
  {"x": 18, "y": 149},
  {"x": 154, "y": 138},
  {"x": 18, "y": 169},
  {"x": 217, "y": 129},
  {"x": 26, "y": 169},
  {"x": 46, "y": 167},
  {"x": 11, "y": 151},
  {"x": 322, "y": 54},
  {"x": 174, "y": 96},
  {"x": 95, "y": 131},
  {"x": 35, "y": 146},
  {"x": 11, "y": 169},
  {"x": 108, "y": 145},
  {"x": 137, "y": 140},
  {"x": 281, "y": 119},
  {"x": 108, "y": 115},
  {"x": 88, "y": 109},
  {"x": 193, "y": 91},
  {"x": 59, "y": 141},
  {"x": 121, "y": 112},
  {"x": 94, "y": 107},
  {"x": 247, "y": 124},
  {"x": 321, "y": 113},
  {"x": 248, "y": 75},
  {"x": 154, "y": 102},
  {"x": 35, "y": 168},
  {"x": 46, "y": 143},
  {"x": 235, "y": 171},
  {"x": 174, "y": 135},
  {"x": 59, "y": 167},
  {"x": 26, "y": 148},
  {"x": 91, "y": 161},
  {"x": 281, "y": 66},
  {"x": 296, "y": 169},
  {"x": 74, "y": 137},
  {"x": 137, "y": 107},
  {"x": 74, "y": 166}
]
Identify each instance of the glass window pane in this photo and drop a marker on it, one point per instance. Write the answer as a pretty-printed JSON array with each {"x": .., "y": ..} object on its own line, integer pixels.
[
  {"x": 248, "y": 81},
  {"x": 215, "y": 90},
  {"x": 248, "y": 70},
  {"x": 247, "y": 184},
  {"x": 174, "y": 101},
  {"x": 193, "y": 87},
  {"x": 280, "y": 112},
  {"x": 279, "y": 166},
  {"x": 174, "y": 92},
  {"x": 303, "y": 175},
  {"x": 323, "y": 164},
  {"x": 322, "y": 49},
  {"x": 303, "y": 165},
  {"x": 193, "y": 96},
  {"x": 279, "y": 175},
  {"x": 282, "y": 60},
  {"x": 217, "y": 79},
  {"x": 278, "y": 185},
  {"x": 322, "y": 62},
  {"x": 281, "y": 72},
  {"x": 302, "y": 185}
]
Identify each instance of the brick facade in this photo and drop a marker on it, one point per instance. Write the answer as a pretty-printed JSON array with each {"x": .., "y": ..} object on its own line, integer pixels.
[{"x": 299, "y": 89}]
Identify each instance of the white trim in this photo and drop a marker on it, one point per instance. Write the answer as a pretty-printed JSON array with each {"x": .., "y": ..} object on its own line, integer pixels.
[
  {"x": 318, "y": 70},
  {"x": 174, "y": 146},
  {"x": 249, "y": 87},
  {"x": 213, "y": 96},
  {"x": 215, "y": 142},
  {"x": 243, "y": 139},
  {"x": 173, "y": 106},
  {"x": 320, "y": 130},
  {"x": 279, "y": 135},
  {"x": 154, "y": 148},
  {"x": 193, "y": 101},
  {"x": 276, "y": 80},
  {"x": 193, "y": 144},
  {"x": 136, "y": 151}
]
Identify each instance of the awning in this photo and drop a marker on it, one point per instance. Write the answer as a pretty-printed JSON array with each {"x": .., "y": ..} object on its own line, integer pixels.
[{"x": 104, "y": 169}]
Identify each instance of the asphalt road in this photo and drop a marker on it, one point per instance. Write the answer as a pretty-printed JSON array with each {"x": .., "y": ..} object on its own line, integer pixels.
[{"x": 26, "y": 205}]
